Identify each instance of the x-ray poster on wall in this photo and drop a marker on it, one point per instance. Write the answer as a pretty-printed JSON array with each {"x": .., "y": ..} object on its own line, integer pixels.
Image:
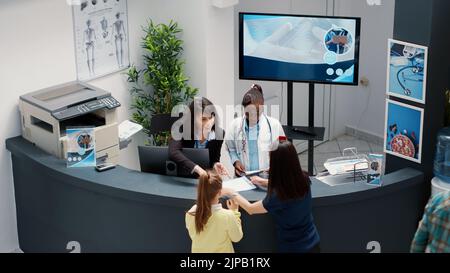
[{"x": 101, "y": 37}]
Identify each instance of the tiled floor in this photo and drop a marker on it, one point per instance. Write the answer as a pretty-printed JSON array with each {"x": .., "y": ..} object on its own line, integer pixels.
[{"x": 334, "y": 148}]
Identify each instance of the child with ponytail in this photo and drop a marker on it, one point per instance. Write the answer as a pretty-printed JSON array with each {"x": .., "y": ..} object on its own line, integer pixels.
[{"x": 212, "y": 228}]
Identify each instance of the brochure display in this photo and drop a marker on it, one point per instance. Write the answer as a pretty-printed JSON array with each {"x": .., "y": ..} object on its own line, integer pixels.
[{"x": 81, "y": 147}]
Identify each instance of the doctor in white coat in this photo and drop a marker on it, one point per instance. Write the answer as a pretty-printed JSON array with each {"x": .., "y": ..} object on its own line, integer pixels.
[{"x": 249, "y": 138}]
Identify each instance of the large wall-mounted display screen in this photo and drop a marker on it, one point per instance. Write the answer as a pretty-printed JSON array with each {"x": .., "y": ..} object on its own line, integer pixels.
[{"x": 299, "y": 48}]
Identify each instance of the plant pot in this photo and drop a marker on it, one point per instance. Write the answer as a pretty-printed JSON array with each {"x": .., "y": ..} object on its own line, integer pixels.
[{"x": 160, "y": 124}]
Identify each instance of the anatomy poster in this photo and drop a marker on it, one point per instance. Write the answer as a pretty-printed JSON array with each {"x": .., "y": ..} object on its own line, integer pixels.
[
  {"x": 407, "y": 71},
  {"x": 101, "y": 37}
]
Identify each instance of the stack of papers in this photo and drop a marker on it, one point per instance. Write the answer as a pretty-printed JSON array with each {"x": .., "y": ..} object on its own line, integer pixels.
[
  {"x": 239, "y": 184},
  {"x": 127, "y": 129}
]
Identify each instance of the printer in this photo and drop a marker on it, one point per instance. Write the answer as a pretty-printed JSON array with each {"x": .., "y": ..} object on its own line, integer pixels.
[{"x": 47, "y": 113}]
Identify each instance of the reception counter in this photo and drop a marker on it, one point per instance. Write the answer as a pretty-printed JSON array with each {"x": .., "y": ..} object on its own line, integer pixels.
[{"x": 123, "y": 210}]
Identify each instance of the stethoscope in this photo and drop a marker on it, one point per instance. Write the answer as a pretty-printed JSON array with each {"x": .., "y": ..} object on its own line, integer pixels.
[
  {"x": 417, "y": 70},
  {"x": 244, "y": 138}
]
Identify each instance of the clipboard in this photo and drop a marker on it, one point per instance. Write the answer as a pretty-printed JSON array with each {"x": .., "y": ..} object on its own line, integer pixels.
[{"x": 252, "y": 173}]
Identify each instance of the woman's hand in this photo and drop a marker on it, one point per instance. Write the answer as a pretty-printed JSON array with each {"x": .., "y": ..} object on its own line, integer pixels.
[
  {"x": 239, "y": 168},
  {"x": 199, "y": 170},
  {"x": 260, "y": 181},
  {"x": 220, "y": 169},
  {"x": 232, "y": 205},
  {"x": 228, "y": 192}
]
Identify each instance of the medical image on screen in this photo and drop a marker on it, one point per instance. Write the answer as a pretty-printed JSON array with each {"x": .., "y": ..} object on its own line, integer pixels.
[{"x": 293, "y": 48}]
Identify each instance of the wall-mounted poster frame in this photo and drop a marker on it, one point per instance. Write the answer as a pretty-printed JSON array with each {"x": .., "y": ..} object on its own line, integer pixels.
[
  {"x": 403, "y": 132},
  {"x": 101, "y": 37},
  {"x": 407, "y": 71}
]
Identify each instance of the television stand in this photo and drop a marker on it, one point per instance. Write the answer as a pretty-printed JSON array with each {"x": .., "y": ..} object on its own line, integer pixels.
[
  {"x": 309, "y": 133},
  {"x": 305, "y": 131}
]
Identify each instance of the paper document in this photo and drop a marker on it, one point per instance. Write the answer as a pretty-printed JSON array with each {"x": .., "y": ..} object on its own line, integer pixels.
[
  {"x": 128, "y": 129},
  {"x": 239, "y": 184},
  {"x": 250, "y": 173}
]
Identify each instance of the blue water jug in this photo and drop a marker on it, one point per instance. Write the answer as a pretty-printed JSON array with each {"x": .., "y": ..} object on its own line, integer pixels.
[{"x": 442, "y": 160}]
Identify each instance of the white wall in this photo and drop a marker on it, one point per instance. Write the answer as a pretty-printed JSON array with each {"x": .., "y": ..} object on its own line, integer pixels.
[
  {"x": 361, "y": 107},
  {"x": 37, "y": 51},
  {"x": 220, "y": 48}
]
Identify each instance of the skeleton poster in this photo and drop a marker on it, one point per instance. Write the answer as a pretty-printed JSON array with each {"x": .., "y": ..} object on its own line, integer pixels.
[{"x": 101, "y": 37}]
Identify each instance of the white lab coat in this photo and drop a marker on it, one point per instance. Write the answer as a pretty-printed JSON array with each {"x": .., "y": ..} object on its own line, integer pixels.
[{"x": 270, "y": 130}]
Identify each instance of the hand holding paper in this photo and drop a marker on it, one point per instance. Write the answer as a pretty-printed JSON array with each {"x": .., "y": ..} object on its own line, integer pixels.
[{"x": 239, "y": 184}]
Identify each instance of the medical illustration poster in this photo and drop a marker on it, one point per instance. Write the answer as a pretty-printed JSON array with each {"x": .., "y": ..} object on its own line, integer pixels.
[
  {"x": 101, "y": 37},
  {"x": 407, "y": 71},
  {"x": 80, "y": 147},
  {"x": 404, "y": 131}
]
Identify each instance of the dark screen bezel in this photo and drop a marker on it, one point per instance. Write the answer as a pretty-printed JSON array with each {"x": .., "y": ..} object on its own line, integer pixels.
[{"x": 241, "y": 48}]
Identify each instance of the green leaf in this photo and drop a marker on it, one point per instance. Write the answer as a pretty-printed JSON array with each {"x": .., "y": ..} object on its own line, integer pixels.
[{"x": 163, "y": 74}]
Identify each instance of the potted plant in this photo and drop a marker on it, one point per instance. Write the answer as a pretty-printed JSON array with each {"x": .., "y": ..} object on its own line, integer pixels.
[{"x": 162, "y": 83}]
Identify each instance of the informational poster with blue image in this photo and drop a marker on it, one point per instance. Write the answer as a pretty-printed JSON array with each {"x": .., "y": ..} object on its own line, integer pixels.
[
  {"x": 376, "y": 169},
  {"x": 407, "y": 71},
  {"x": 404, "y": 131},
  {"x": 81, "y": 147},
  {"x": 299, "y": 48}
]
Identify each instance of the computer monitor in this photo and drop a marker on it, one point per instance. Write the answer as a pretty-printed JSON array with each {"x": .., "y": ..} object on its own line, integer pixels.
[{"x": 156, "y": 160}]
